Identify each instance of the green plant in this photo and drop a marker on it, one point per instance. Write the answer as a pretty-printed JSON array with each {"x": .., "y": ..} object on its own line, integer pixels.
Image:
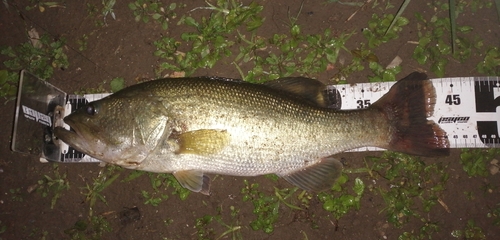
[
  {"x": 424, "y": 232},
  {"x": 475, "y": 161},
  {"x": 491, "y": 62},
  {"x": 82, "y": 42},
  {"x": 203, "y": 231},
  {"x": 160, "y": 182},
  {"x": 265, "y": 207},
  {"x": 409, "y": 179},
  {"x": 55, "y": 185},
  {"x": 383, "y": 74},
  {"x": 93, "y": 192},
  {"x": 210, "y": 42},
  {"x": 289, "y": 54},
  {"x": 93, "y": 229},
  {"x": 339, "y": 201},
  {"x": 495, "y": 214},
  {"x": 168, "y": 180},
  {"x": 40, "y": 56},
  {"x": 107, "y": 8},
  {"x": 16, "y": 194},
  {"x": 471, "y": 231},
  {"x": 383, "y": 29},
  {"x": 41, "y": 5},
  {"x": 3, "y": 227},
  {"x": 434, "y": 45},
  {"x": 143, "y": 10},
  {"x": 234, "y": 230},
  {"x": 151, "y": 199},
  {"x": 117, "y": 84}
]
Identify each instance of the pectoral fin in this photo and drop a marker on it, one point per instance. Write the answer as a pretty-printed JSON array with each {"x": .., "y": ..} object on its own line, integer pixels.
[
  {"x": 202, "y": 142},
  {"x": 318, "y": 177},
  {"x": 194, "y": 180}
]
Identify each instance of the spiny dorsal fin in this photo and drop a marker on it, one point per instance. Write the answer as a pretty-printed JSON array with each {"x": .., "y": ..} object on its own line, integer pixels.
[
  {"x": 318, "y": 177},
  {"x": 310, "y": 90}
]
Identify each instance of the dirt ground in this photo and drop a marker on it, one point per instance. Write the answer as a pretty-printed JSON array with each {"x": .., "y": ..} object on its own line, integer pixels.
[{"x": 124, "y": 48}]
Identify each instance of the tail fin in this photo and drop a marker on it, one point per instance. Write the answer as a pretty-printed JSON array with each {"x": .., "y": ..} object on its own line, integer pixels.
[{"x": 407, "y": 105}]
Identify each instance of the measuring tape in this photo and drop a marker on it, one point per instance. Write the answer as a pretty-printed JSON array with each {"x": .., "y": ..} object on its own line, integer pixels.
[{"x": 466, "y": 109}]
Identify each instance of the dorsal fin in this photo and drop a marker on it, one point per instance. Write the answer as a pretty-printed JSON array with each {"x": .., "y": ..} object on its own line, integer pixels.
[{"x": 308, "y": 89}]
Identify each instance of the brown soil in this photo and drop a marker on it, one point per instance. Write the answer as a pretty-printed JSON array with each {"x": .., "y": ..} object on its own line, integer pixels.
[{"x": 123, "y": 48}]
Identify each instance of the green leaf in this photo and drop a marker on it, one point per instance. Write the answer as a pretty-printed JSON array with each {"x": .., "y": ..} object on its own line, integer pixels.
[
  {"x": 359, "y": 186},
  {"x": 117, "y": 84},
  {"x": 132, "y": 6},
  {"x": 156, "y": 16}
]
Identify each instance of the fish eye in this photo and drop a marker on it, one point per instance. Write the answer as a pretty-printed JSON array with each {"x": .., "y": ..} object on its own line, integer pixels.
[{"x": 91, "y": 109}]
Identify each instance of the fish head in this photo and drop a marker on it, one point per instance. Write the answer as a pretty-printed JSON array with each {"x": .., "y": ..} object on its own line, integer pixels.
[{"x": 116, "y": 130}]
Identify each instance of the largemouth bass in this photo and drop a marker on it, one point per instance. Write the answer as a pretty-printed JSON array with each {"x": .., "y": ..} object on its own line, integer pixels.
[{"x": 196, "y": 126}]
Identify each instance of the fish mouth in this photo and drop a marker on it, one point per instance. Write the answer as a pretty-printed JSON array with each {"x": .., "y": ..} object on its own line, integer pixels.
[{"x": 74, "y": 137}]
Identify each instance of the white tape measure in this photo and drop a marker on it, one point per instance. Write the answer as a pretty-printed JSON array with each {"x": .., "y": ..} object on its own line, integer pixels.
[{"x": 466, "y": 108}]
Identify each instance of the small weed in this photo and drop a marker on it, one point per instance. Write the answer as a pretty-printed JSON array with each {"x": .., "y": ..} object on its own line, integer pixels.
[
  {"x": 143, "y": 10},
  {"x": 160, "y": 182},
  {"x": 94, "y": 229},
  {"x": 339, "y": 201},
  {"x": 16, "y": 194},
  {"x": 152, "y": 200},
  {"x": 82, "y": 42},
  {"x": 469, "y": 195},
  {"x": 378, "y": 30},
  {"x": 234, "y": 230},
  {"x": 168, "y": 180},
  {"x": 157, "y": 180},
  {"x": 55, "y": 184},
  {"x": 40, "y": 56},
  {"x": 117, "y": 84},
  {"x": 168, "y": 221},
  {"x": 203, "y": 231},
  {"x": 204, "y": 228},
  {"x": 42, "y": 5},
  {"x": 475, "y": 161},
  {"x": 495, "y": 214},
  {"x": 491, "y": 62},
  {"x": 471, "y": 231},
  {"x": 434, "y": 45},
  {"x": 210, "y": 42},
  {"x": 3, "y": 227},
  {"x": 383, "y": 74},
  {"x": 93, "y": 192},
  {"x": 410, "y": 179},
  {"x": 424, "y": 232},
  {"x": 265, "y": 207},
  {"x": 107, "y": 8}
]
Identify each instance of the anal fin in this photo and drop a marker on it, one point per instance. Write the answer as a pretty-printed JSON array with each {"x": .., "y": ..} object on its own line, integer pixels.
[{"x": 318, "y": 177}]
